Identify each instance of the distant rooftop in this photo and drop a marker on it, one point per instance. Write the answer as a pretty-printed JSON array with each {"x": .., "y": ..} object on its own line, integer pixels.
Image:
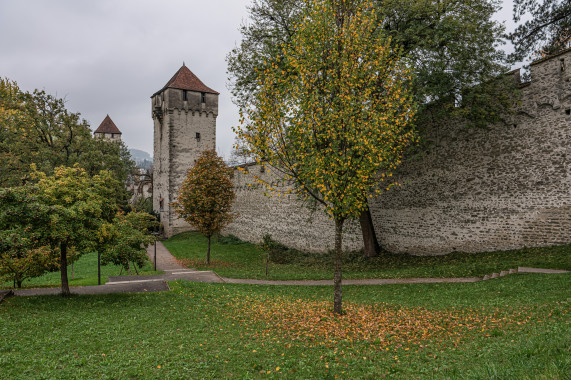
[
  {"x": 107, "y": 126},
  {"x": 184, "y": 79}
]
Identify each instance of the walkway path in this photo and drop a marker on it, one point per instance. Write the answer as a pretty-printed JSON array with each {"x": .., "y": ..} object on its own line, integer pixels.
[
  {"x": 173, "y": 271},
  {"x": 165, "y": 261}
]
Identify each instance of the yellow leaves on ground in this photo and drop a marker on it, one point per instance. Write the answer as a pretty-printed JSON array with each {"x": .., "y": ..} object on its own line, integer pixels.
[{"x": 385, "y": 327}]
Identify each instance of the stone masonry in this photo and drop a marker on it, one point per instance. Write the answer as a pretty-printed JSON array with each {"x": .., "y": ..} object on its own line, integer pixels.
[
  {"x": 285, "y": 218},
  {"x": 184, "y": 115},
  {"x": 478, "y": 190}
]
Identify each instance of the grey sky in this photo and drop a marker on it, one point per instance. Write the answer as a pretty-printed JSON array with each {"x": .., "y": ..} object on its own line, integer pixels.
[{"x": 109, "y": 56}]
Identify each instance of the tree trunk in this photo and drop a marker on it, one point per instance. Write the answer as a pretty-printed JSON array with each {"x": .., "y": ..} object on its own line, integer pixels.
[
  {"x": 371, "y": 246},
  {"x": 19, "y": 284},
  {"x": 208, "y": 251},
  {"x": 337, "y": 291},
  {"x": 63, "y": 270}
]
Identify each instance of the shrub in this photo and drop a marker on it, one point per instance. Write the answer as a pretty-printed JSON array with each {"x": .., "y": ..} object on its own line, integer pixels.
[{"x": 230, "y": 240}]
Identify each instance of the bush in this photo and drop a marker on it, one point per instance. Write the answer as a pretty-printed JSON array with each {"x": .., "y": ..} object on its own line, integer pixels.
[
  {"x": 281, "y": 254},
  {"x": 230, "y": 240}
]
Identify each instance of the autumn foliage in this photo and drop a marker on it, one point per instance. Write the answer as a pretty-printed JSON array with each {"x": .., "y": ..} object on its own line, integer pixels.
[
  {"x": 379, "y": 326},
  {"x": 206, "y": 196},
  {"x": 334, "y": 117}
]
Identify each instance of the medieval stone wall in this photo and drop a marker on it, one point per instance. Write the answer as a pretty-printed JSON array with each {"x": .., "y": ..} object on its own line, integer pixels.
[
  {"x": 286, "y": 219},
  {"x": 478, "y": 190},
  {"x": 485, "y": 190}
]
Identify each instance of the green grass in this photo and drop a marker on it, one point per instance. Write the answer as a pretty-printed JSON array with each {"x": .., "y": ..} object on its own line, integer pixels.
[
  {"x": 202, "y": 331},
  {"x": 244, "y": 260},
  {"x": 84, "y": 273}
]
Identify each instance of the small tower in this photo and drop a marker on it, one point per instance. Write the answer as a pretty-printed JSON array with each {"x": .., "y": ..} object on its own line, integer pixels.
[
  {"x": 184, "y": 112},
  {"x": 108, "y": 130}
]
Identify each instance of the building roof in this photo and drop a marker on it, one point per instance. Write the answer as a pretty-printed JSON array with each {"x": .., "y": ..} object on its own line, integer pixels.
[
  {"x": 184, "y": 79},
  {"x": 107, "y": 126}
]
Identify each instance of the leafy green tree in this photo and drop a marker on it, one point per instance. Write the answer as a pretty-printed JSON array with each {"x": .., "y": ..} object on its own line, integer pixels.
[
  {"x": 100, "y": 154},
  {"x": 206, "y": 196},
  {"x": 13, "y": 117},
  {"x": 38, "y": 129},
  {"x": 77, "y": 205},
  {"x": 335, "y": 117},
  {"x": 46, "y": 225},
  {"x": 272, "y": 23},
  {"x": 23, "y": 255},
  {"x": 124, "y": 240},
  {"x": 547, "y": 30},
  {"x": 452, "y": 44},
  {"x": 51, "y": 220}
]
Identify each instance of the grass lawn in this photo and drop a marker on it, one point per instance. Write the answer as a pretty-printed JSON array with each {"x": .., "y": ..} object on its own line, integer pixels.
[
  {"x": 515, "y": 327},
  {"x": 244, "y": 260},
  {"x": 84, "y": 273}
]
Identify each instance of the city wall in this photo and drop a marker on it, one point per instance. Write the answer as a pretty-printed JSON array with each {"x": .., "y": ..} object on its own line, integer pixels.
[
  {"x": 285, "y": 218},
  {"x": 477, "y": 190}
]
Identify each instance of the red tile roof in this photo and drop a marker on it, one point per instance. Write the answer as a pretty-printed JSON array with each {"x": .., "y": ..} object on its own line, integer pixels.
[
  {"x": 108, "y": 126},
  {"x": 184, "y": 79}
]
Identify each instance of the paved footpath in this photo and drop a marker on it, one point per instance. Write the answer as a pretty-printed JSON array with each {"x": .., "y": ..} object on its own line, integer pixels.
[
  {"x": 166, "y": 262},
  {"x": 173, "y": 271}
]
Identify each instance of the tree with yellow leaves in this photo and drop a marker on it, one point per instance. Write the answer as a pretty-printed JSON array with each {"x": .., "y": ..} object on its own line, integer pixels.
[
  {"x": 335, "y": 116},
  {"x": 206, "y": 196}
]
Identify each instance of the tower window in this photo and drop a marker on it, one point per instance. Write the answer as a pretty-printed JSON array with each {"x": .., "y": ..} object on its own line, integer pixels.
[
  {"x": 203, "y": 97},
  {"x": 562, "y": 63},
  {"x": 184, "y": 95},
  {"x": 197, "y": 136}
]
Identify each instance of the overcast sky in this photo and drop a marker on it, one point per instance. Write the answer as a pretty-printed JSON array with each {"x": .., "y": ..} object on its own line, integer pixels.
[{"x": 109, "y": 56}]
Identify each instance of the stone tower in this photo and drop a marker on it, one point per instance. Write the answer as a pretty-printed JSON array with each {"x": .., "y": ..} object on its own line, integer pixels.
[
  {"x": 108, "y": 130},
  {"x": 184, "y": 115}
]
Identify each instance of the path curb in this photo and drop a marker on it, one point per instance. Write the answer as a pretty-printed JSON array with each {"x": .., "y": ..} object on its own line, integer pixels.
[
  {"x": 394, "y": 281},
  {"x": 138, "y": 285},
  {"x": 174, "y": 271},
  {"x": 5, "y": 294},
  {"x": 523, "y": 270}
]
